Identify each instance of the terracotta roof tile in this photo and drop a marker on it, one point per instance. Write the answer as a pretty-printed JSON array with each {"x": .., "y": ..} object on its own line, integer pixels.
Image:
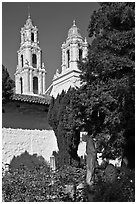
[{"x": 32, "y": 99}]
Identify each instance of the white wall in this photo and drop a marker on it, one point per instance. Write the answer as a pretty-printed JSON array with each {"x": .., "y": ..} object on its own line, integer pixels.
[
  {"x": 64, "y": 82},
  {"x": 16, "y": 141}
]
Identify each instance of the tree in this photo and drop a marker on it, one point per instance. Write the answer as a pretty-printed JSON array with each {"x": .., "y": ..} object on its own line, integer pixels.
[
  {"x": 7, "y": 84},
  {"x": 55, "y": 118},
  {"x": 108, "y": 75},
  {"x": 104, "y": 105},
  {"x": 63, "y": 118}
]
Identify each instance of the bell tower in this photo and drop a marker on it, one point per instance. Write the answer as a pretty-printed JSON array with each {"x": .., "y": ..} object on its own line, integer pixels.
[
  {"x": 74, "y": 49},
  {"x": 30, "y": 72}
]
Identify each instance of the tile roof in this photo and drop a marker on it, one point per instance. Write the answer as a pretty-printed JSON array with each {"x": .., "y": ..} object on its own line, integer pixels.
[{"x": 45, "y": 99}]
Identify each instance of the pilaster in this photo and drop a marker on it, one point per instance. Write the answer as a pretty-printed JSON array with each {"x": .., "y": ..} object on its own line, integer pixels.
[
  {"x": 40, "y": 83},
  {"x": 31, "y": 81},
  {"x": 43, "y": 75}
]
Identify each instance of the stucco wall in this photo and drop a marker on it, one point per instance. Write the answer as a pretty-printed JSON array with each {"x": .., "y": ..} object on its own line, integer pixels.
[
  {"x": 64, "y": 82},
  {"x": 16, "y": 141}
]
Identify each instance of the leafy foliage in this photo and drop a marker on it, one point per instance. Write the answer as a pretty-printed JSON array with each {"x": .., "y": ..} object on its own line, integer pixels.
[
  {"x": 121, "y": 190},
  {"x": 43, "y": 185},
  {"x": 108, "y": 93},
  {"x": 30, "y": 161},
  {"x": 40, "y": 185},
  {"x": 104, "y": 106},
  {"x": 7, "y": 84},
  {"x": 62, "y": 117}
]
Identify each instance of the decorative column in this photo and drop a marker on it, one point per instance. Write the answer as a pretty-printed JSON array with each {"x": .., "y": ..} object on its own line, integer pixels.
[
  {"x": 63, "y": 61},
  {"x": 28, "y": 78},
  {"x": 31, "y": 85},
  {"x": 71, "y": 56},
  {"x": 19, "y": 59},
  {"x": 85, "y": 52},
  {"x": 26, "y": 81},
  {"x": 40, "y": 83},
  {"x": 43, "y": 82},
  {"x": 22, "y": 36},
  {"x": 74, "y": 56},
  {"x": 77, "y": 53},
  {"x": 35, "y": 36},
  {"x": 17, "y": 84},
  {"x": 66, "y": 60},
  {"x": 39, "y": 59}
]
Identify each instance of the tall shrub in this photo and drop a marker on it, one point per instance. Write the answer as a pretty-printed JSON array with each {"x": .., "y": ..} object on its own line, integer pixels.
[{"x": 7, "y": 84}]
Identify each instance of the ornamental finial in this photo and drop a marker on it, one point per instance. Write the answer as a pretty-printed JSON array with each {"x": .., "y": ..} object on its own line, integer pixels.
[{"x": 74, "y": 23}]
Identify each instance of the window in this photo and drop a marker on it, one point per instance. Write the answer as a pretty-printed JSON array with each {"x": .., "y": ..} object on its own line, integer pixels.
[
  {"x": 32, "y": 37},
  {"x": 68, "y": 58},
  {"x": 21, "y": 85},
  {"x": 35, "y": 85},
  {"x": 80, "y": 54},
  {"x": 34, "y": 60},
  {"x": 22, "y": 60}
]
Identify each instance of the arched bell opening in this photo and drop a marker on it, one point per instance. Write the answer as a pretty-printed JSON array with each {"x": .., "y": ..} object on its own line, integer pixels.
[
  {"x": 68, "y": 58},
  {"x": 21, "y": 85},
  {"x": 34, "y": 60},
  {"x": 35, "y": 85}
]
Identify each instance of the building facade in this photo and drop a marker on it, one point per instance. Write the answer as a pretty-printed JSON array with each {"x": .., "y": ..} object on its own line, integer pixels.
[
  {"x": 30, "y": 72},
  {"x": 24, "y": 117},
  {"x": 74, "y": 49}
]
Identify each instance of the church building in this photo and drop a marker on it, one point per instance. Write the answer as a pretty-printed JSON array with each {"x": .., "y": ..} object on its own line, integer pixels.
[
  {"x": 25, "y": 125},
  {"x": 74, "y": 49},
  {"x": 25, "y": 128},
  {"x": 30, "y": 74}
]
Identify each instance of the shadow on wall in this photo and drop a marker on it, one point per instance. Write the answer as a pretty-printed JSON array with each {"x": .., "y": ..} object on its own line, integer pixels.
[
  {"x": 25, "y": 116},
  {"x": 27, "y": 160}
]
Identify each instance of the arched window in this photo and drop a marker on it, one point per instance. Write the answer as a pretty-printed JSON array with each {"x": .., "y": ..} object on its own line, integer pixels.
[
  {"x": 21, "y": 85},
  {"x": 34, "y": 60},
  {"x": 32, "y": 37},
  {"x": 22, "y": 60},
  {"x": 80, "y": 54},
  {"x": 35, "y": 85},
  {"x": 68, "y": 58}
]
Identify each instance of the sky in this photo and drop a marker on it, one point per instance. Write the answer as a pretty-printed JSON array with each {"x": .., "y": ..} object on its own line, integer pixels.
[{"x": 53, "y": 20}]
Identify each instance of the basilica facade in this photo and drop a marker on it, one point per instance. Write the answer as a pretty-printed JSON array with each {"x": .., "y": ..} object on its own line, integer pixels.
[
  {"x": 25, "y": 116},
  {"x": 30, "y": 74}
]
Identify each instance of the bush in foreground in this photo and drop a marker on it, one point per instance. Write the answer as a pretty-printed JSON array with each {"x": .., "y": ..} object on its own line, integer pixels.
[
  {"x": 66, "y": 184},
  {"x": 122, "y": 189},
  {"x": 41, "y": 185}
]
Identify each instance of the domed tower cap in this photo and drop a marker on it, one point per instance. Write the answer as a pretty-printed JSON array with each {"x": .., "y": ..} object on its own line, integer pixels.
[
  {"x": 28, "y": 23},
  {"x": 74, "y": 31}
]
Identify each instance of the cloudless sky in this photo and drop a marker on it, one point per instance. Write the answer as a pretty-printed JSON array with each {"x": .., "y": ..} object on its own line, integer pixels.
[{"x": 53, "y": 20}]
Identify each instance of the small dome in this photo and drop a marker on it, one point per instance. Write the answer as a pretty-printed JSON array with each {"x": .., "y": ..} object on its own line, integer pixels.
[
  {"x": 74, "y": 31},
  {"x": 28, "y": 23}
]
